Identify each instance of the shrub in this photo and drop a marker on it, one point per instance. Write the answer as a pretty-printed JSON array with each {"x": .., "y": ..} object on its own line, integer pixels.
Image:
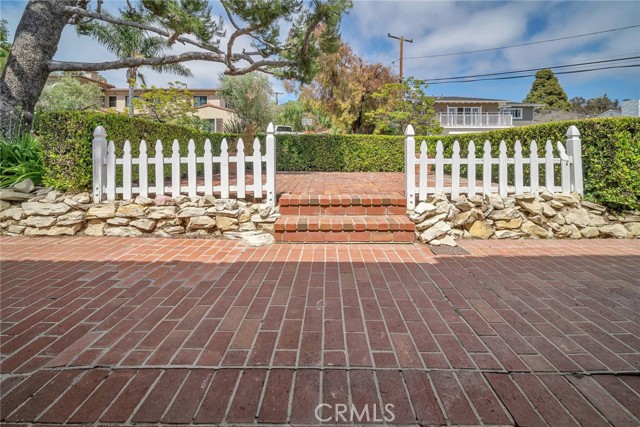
[
  {"x": 20, "y": 158},
  {"x": 66, "y": 138}
]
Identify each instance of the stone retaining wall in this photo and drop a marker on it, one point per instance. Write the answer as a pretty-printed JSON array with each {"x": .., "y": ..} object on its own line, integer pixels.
[
  {"x": 46, "y": 212},
  {"x": 440, "y": 221}
]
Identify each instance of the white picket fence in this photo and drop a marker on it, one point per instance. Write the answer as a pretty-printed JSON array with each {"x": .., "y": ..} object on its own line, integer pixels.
[
  {"x": 570, "y": 161},
  {"x": 105, "y": 163}
]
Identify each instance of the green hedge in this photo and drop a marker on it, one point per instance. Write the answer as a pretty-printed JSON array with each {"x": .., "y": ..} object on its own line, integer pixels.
[
  {"x": 610, "y": 146},
  {"x": 66, "y": 138}
]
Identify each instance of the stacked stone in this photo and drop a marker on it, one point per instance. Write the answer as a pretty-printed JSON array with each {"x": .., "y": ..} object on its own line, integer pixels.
[
  {"x": 46, "y": 212},
  {"x": 440, "y": 221}
]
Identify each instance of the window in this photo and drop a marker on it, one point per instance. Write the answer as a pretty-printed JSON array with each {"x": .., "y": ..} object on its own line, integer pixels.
[
  {"x": 112, "y": 101},
  {"x": 199, "y": 100},
  {"x": 216, "y": 125},
  {"x": 516, "y": 113},
  {"x": 126, "y": 100},
  {"x": 463, "y": 110}
]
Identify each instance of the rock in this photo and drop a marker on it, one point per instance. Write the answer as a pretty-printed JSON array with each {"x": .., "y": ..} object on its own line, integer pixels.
[
  {"x": 234, "y": 213},
  {"x": 12, "y": 213},
  {"x": 511, "y": 224},
  {"x": 71, "y": 218},
  {"x": 176, "y": 229},
  {"x": 264, "y": 226},
  {"x": 463, "y": 204},
  {"x": 143, "y": 201},
  {"x": 533, "y": 206},
  {"x": 169, "y": 223},
  {"x": 538, "y": 219},
  {"x": 575, "y": 232},
  {"x": 423, "y": 211},
  {"x": 264, "y": 210},
  {"x": 564, "y": 231},
  {"x": 463, "y": 218},
  {"x": 162, "y": 200},
  {"x": 102, "y": 211},
  {"x": 437, "y": 198},
  {"x": 32, "y": 231},
  {"x": 443, "y": 208},
  {"x": 245, "y": 215},
  {"x": 69, "y": 230},
  {"x": 247, "y": 226},
  {"x": 132, "y": 210},
  {"x": 162, "y": 212},
  {"x": 555, "y": 204},
  {"x": 533, "y": 230},
  {"x": 504, "y": 214},
  {"x": 546, "y": 195},
  {"x": 629, "y": 218},
  {"x": 251, "y": 238},
  {"x": 181, "y": 198},
  {"x": 15, "y": 229},
  {"x": 617, "y": 231},
  {"x": 524, "y": 197},
  {"x": 40, "y": 221},
  {"x": 206, "y": 201},
  {"x": 94, "y": 227},
  {"x": 547, "y": 210},
  {"x": 579, "y": 217},
  {"x": 507, "y": 234},
  {"x": 118, "y": 221},
  {"x": 201, "y": 222},
  {"x": 144, "y": 224},
  {"x": 45, "y": 209},
  {"x": 13, "y": 196},
  {"x": 225, "y": 204},
  {"x": 634, "y": 228},
  {"x": 590, "y": 232},
  {"x": 476, "y": 199},
  {"x": 226, "y": 224},
  {"x": 481, "y": 230},
  {"x": 436, "y": 230},
  {"x": 258, "y": 219},
  {"x": 596, "y": 220},
  {"x": 495, "y": 200},
  {"x": 25, "y": 186},
  {"x": 189, "y": 212},
  {"x": 430, "y": 222},
  {"x": 188, "y": 205},
  {"x": 567, "y": 199},
  {"x": 593, "y": 206},
  {"x": 446, "y": 241},
  {"x": 71, "y": 202},
  {"x": 82, "y": 198},
  {"x": 4, "y": 205},
  {"x": 122, "y": 232}
]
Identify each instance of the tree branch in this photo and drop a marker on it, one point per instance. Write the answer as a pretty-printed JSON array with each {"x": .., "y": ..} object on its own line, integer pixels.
[
  {"x": 135, "y": 62},
  {"x": 118, "y": 21}
]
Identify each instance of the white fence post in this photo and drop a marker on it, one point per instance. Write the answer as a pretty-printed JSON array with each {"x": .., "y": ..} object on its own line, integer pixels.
[
  {"x": 99, "y": 147},
  {"x": 271, "y": 166},
  {"x": 574, "y": 151},
  {"x": 410, "y": 167}
]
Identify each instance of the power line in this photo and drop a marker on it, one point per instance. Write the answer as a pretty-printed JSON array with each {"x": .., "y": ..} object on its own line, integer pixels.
[
  {"x": 533, "y": 75},
  {"x": 524, "y": 44},
  {"x": 533, "y": 69}
]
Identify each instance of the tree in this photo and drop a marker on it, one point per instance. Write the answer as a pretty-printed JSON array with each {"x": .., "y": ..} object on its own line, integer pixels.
[
  {"x": 70, "y": 94},
  {"x": 547, "y": 90},
  {"x": 248, "y": 96},
  {"x": 5, "y": 46},
  {"x": 130, "y": 42},
  {"x": 173, "y": 105},
  {"x": 593, "y": 106},
  {"x": 343, "y": 88},
  {"x": 402, "y": 104},
  {"x": 188, "y": 22}
]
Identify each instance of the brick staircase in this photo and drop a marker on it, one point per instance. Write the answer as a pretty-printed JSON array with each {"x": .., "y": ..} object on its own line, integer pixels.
[{"x": 343, "y": 218}]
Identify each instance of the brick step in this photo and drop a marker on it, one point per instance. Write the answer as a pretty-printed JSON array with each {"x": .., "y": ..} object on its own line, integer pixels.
[
  {"x": 386, "y": 204},
  {"x": 336, "y": 228}
]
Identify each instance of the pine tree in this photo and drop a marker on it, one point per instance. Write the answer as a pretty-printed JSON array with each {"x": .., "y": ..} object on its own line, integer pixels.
[{"x": 547, "y": 90}]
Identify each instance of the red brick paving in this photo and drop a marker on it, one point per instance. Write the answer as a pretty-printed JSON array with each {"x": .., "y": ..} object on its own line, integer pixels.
[{"x": 133, "y": 331}]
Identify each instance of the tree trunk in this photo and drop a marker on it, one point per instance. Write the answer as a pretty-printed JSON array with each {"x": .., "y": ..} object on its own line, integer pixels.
[
  {"x": 27, "y": 69},
  {"x": 131, "y": 78}
]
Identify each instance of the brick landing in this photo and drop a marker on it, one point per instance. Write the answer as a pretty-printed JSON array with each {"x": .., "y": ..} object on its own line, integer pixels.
[{"x": 141, "y": 331}]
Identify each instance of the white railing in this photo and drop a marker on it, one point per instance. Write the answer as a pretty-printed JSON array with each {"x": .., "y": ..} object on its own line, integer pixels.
[
  {"x": 476, "y": 120},
  {"x": 105, "y": 174},
  {"x": 570, "y": 162}
]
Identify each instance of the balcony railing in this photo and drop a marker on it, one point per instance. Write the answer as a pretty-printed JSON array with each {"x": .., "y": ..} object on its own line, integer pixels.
[{"x": 476, "y": 120}]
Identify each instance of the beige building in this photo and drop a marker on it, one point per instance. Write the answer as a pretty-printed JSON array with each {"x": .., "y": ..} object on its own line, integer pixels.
[{"x": 209, "y": 105}]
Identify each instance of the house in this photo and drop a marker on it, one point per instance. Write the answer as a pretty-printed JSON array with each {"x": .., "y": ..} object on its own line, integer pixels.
[
  {"x": 458, "y": 114},
  {"x": 209, "y": 105}
]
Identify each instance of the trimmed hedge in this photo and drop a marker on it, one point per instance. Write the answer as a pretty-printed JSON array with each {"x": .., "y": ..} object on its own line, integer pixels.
[
  {"x": 66, "y": 138},
  {"x": 610, "y": 147}
]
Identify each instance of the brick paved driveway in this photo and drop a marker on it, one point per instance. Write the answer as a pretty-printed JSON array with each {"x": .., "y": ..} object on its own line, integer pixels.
[{"x": 135, "y": 331}]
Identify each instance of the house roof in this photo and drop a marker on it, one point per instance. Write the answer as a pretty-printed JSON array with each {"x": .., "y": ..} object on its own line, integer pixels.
[
  {"x": 520, "y": 104},
  {"x": 467, "y": 99},
  {"x": 194, "y": 91},
  {"x": 217, "y": 107}
]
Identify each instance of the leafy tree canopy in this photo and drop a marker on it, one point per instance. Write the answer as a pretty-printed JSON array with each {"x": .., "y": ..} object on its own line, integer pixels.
[
  {"x": 547, "y": 90},
  {"x": 68, "y": 93},
  {"x": 248, "y": 96},
  {"x": 593, "y": 106}
]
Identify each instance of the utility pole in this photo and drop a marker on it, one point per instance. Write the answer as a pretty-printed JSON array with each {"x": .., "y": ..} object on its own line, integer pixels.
[
  {"x": 276, "y": 94},
  {"x": 402, "y": 40}
]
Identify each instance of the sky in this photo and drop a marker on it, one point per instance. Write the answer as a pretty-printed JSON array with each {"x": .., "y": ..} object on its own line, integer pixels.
[{"x": 446, "y": 28}]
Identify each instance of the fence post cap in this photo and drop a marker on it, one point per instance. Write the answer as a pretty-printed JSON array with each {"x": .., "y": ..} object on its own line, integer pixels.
[
  {"x": 572, "y": 131},
  {"x": 409, "y": 131},
  {"x": 100, "y": 131},
  {"x": 270, "y": 128}
]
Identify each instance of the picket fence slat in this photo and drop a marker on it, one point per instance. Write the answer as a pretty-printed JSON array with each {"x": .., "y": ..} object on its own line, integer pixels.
[
  {"x": 142, "y": 169},
  {"x": 126, "y": 170},
  {"x": 240, "y": 170},
  {"x": 208, "y": 168},
  {"x": 111, "y": 171},
  {"x": 257, "y": 167},
  {"x": 192, "y": 179},
  {"x": 510, "y": 179}
]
